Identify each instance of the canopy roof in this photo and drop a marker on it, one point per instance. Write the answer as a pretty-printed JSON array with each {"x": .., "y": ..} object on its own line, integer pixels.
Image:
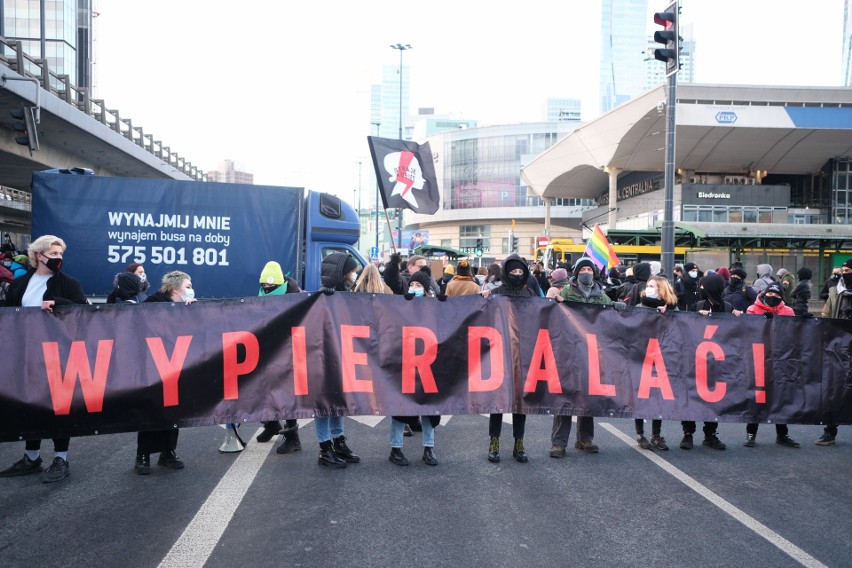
[{"x": 720, "y": 129}]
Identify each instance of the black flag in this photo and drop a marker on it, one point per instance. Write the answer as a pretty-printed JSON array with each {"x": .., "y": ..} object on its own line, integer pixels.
[{"x": 406, "y": 174}]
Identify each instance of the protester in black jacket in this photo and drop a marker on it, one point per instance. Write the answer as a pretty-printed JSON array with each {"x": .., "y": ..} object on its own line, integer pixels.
[
  {"x": 514, "y": 276},
  {"x": 176, "y": 287},
  {"x": 45, "y": 287},
  {"x": 801, "y": 294},
  {"x": 737, "y": 292}
]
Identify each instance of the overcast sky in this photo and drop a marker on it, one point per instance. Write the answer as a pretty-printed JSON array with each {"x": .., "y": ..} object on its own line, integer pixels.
[{"x": 283, "y": 87}]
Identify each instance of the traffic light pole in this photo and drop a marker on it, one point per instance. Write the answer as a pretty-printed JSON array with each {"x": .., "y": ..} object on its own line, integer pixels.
[{"x": 668, "y": 208}]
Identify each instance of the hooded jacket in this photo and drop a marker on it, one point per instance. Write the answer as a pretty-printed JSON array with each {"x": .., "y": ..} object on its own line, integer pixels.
[
  {"x": 758, "y": 307},
  {"x": 642, "y": 272},
  {"x": 714, "y": 286},
  {"x": 764, "y": 277},
  {"x": 334, "y": 268},
  {"x": 507, "y": 288}
]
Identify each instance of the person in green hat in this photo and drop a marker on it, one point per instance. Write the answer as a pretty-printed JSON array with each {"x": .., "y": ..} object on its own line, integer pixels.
[{"x": 273, "y": 282}]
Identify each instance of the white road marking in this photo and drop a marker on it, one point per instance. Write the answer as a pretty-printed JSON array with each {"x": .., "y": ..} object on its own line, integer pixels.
[
  {"x": 200, "y": 537},
  {"x": 750, "y": 522},
  {"x": 371, "y": 421}
]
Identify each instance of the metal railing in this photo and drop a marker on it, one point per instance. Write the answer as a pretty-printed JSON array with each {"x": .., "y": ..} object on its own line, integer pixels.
[
  {"x": 11, "y": 194},
  {"x": 13, "y": 56}
]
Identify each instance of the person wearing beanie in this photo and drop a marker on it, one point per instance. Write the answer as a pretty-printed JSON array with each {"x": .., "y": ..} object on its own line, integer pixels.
[
  {"x": 446, "y": 278},
  {"x": 688, "y": 294},
  {"x": 420, "y": 283},
  {"x": 463, "y": 284},
  {"x": 713, "y": 287},
  {"x": 558, "y": 280},
  {"x": 801, "y": 294},
  {"x": 724, "y": 273},
  {"x": 583, "y": 288},
  {"x": 273, "y": 282},
  {"x": 770, "y": 304},
  {"x": 338, "y": 273},
  {"x": 515, "y": 278},
  {"x": 419, "y": 286},
  {"x": 737, "y": 292}
]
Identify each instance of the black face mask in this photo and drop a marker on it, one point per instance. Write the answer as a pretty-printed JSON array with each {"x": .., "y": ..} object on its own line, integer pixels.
[
  {"x": 54, "y": 264},
  {"x": 835, "y": 277},
  {"x": 516, "y": 281},
  {"x": 772, "y": 301},
  {"x": 735, "y": 281},
  {"x": 847, "y": 280}
]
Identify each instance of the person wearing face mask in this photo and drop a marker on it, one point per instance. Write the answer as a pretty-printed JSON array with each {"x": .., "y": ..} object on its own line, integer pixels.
[
  {"x": 838, "y": 306},
  {"x": 737, "y": 292},
  {"x": 18, "y": 263},
  {"x": 689, "y": 284},
  {"x": 44, "y": 286},
  {"x": 176, "y": 287},
  {"x": 657, "y": 295},
  {"x": 829, "y": 283},
  {"x": 582, "y": 287},
  {"x": 712, "y": 286},
  {"x": 769, "y": 304},
  {"x": 419, "y": 286},
  {"x": 514, "y": 277},
  {"x": 642, "y": 272},
  {"x": 338, "y": 273},
  {"x": 273, "y": 282}
]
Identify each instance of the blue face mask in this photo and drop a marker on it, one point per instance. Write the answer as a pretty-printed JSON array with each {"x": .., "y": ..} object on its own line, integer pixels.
[
  {"x": 418, "y": 292},
  {"x": 189, "y": 294}
]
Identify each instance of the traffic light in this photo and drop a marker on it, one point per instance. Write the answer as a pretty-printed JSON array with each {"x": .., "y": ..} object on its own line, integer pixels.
[
  {"x": 478, "y": 250},
  {"x": 27, "y": 128},
  {"x": 513, "y": 243},
  {"x": 669, "y": 37}
]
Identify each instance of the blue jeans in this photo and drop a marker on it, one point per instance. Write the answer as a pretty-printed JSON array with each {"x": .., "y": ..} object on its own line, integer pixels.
[
  {"x": 428, "y": 433},
  {"x": 328, "y": 427}
]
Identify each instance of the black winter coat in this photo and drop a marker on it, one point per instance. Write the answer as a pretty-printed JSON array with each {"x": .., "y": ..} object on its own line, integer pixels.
[{"x": 61, "y": 288}]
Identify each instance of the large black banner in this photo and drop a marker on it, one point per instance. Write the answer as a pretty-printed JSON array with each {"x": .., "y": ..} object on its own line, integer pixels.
[{"x": 113, "y": 368}]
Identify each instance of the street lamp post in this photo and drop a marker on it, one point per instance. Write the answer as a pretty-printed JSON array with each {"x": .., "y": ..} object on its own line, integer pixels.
[{"x": 401, "y": 47}]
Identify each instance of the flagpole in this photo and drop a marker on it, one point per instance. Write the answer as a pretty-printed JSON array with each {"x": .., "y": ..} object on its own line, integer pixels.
[{"x": 390, "y": 232}]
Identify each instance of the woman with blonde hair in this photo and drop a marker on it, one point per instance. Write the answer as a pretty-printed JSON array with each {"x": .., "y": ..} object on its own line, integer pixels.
[
  {"x": 371, "y": 281},
  {"x": 659, "y": 295}
]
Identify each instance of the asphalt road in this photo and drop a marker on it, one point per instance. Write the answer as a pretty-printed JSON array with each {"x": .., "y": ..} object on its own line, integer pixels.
[{"x": 766, "y": 506}]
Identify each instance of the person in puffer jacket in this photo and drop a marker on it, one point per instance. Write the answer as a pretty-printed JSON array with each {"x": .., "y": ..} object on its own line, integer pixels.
[{"x": 770, "y": 304}]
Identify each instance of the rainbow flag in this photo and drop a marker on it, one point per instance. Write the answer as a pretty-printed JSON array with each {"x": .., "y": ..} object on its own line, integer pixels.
[{"x": 600, "y": 251}]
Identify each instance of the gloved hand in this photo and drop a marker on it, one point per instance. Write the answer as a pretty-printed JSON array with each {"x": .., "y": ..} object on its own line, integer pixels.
[
  {"x": 395, "y": 258},
  {"x": 441, "y": 297},
  {"x": 620, "y": 306},
  {"x": 768, "y": 315},
  {"x": 408, "y": 296},
  {"x": 328, "y": 291}
]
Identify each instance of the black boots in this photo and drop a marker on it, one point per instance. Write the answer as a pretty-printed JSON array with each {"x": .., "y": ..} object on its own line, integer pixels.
[
  {"x": 291, "y": 441},
  {"x": 328, "y": 458},
  {"x": 494, "y": 450},
  {"x": 343, "y": 451},
  {"x": 397, "y": 457},
  {"x": 143, "y": 464},
  {"x": 518, "y": 452},
  {"x": 429, "y": 456},
  {"x": 270, "y": 430}
]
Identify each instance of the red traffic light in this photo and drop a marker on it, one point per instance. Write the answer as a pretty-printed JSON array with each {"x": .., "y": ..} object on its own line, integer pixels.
[{"x": 665, "y": 19}]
